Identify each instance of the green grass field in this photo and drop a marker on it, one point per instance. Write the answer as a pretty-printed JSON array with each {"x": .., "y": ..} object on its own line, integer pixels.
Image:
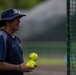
[
  {"x": 47, "y": 47},
  {"x": 50, "y": 62},
  {"x": 50, "y": 53}
]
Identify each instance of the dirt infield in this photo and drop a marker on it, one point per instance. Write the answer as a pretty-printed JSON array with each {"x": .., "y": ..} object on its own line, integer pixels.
[{"x": 49, "y": 70}]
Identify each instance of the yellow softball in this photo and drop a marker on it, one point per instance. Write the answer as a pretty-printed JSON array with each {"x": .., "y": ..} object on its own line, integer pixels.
[{"x": 33, "y": 56}]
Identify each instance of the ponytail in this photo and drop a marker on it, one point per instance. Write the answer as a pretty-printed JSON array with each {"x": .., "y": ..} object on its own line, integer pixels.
[{"x": 2, "y": 23}]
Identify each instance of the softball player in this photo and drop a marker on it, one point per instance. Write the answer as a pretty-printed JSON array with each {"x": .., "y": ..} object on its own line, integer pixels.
[{"x": 11, "y": 54}]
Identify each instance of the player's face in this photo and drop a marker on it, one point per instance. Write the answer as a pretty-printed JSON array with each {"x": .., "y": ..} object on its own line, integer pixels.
[{"x": 15, "y": 24}]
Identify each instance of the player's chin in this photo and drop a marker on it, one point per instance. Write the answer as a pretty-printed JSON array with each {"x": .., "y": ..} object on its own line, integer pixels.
[{"x": 16, "y": 29}]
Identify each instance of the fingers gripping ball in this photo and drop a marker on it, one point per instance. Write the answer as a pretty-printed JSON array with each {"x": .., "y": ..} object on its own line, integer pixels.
[{"x": 33, "y": 56}]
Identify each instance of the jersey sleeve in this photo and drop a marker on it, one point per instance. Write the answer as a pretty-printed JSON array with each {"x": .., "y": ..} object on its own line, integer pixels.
[{"x": 2, "y": 48}]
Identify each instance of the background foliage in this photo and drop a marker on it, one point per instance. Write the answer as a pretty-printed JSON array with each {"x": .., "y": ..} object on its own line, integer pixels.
[{"x": 20, "y": 4}]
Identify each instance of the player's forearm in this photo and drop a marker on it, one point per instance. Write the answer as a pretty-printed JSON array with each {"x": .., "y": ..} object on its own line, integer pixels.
[{"x": 8, "y": 67}]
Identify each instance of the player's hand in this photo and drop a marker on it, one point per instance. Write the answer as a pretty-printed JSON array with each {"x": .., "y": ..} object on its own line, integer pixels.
[{"x": 25, "y": 68}]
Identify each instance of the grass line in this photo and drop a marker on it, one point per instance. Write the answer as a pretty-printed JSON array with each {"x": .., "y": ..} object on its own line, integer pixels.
[{"x": 50, "y": 62}]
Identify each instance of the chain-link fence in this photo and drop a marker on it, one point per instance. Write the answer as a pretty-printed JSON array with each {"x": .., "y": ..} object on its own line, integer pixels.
[{"x": 71, "y": 37}]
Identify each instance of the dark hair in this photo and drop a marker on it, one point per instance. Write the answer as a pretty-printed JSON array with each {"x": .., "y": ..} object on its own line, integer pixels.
[{"x": 2, "y": 23}]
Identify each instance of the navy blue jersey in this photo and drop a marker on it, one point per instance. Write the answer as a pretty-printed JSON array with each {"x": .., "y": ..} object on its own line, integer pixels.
[{"x": 12, "y": 53}]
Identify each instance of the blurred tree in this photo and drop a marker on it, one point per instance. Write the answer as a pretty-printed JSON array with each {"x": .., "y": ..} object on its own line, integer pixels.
[
  {"x": 4, "y": 4},
  {"x": 27, "y": 4},
  {"x": 20, "y": 4},
  {"x": 16, "y": 3}
]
